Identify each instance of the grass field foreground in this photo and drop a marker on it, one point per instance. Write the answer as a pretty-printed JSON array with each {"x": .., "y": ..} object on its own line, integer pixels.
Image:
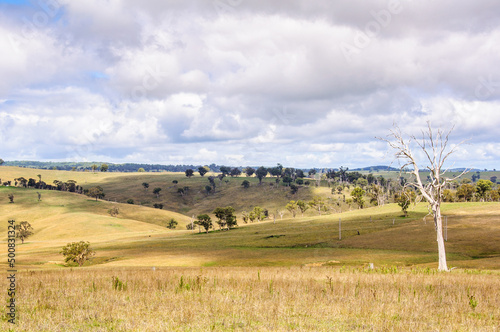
[{"x": 257, "y": 299}]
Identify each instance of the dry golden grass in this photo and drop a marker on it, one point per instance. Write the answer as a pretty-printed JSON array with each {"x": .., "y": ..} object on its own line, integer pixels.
[{"x": 256, "y": 299}]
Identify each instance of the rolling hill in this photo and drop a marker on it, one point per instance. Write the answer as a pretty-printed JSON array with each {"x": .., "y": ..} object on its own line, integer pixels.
[{"x": 138, "y": 236}]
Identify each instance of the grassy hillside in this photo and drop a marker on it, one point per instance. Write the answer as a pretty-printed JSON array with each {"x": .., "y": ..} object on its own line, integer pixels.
[
  {"x": 314, "y": 240},
  {"x": 123, "y": 186},
  {"x": 138, "y": 237},
  {"x": 62, "y": 217}
]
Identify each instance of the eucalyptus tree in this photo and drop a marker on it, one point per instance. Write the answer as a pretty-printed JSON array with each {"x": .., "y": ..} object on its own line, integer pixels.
[{"x": 435, "y": 149}]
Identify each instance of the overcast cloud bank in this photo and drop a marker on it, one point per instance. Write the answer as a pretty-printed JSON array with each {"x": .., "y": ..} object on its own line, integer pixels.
[{"x": 239, "y": 82}]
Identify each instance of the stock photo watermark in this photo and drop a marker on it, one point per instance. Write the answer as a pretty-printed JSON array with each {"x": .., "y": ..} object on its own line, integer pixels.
[
  {"x": 11, "y": 272},
  {"x": 486, "y": 87},
  {"x": 363, "y": 38},
  {"x": 47, "y": 12},
  {"x": 226, "y": 6}
]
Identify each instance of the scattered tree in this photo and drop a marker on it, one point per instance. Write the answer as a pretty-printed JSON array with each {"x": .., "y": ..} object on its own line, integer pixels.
[
  {"x": 1, "y": 161},
  {"x": 141, "y": 170},
  {"x": 249, "y": 171},
  {"x": 287, "y": 180},
  {"x": 202, "y": 170},
  {"x": 465, "y": 192},
  {"x": 172, "y": 223},
  {"x": 11, "y": 198},
  {"x": 156, "y": 191},
  {"x": 189, "y": 172},
  {"x": 158, "y": 206},
  {"x": 70, "y": 185},
  {"x": 225, "y": 170},
  {"x": 211, "y": 179},
  {"x": 448, "y": 196},
  {"x": 145, "y": 185},
  {"x": 78, "y": 252},
  {"x": 24, "y": 230},
  {"x": 96, "y": 192},
  {"x": 235, "y": 172},
  {"x": 303, "y": 206},
  {"x": 362, "y": 182},
  {"x": 130, "y": 201},
  {"x": 258, "y": 213},
  {"x": 104, "y": 168},
  {"x": 292, "y": 208},
  {"x": 357, "y": 196},
  {"x": 294, "y": 189},
  {"x": 204, "y": 221},
  {"x": 317, "y": 203},
  {"x": 225, "y": 217},
  {"x": 404, "y": 199},
  {"x": 245, "y": 184},
  {"x": 261, "y": 173},
  {"x": 435, "y": 149},
  {"x": 482, "y": 187}
]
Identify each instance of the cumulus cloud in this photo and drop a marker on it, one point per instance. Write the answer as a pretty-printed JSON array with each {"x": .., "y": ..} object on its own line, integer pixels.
[{"x": 246, "y": 82}]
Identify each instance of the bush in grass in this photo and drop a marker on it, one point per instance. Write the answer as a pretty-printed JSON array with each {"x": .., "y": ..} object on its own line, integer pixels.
[{"x": 77, "y": 252}]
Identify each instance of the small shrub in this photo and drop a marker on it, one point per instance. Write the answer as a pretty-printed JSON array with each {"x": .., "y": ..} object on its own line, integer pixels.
[
  {"x": 130, "y": 201},
  {"x": 172, "y": 224},
  {"x": 78, "y": 252},
  {"x": 113, "y": 211},
  {"x": 472, "y": 302}
]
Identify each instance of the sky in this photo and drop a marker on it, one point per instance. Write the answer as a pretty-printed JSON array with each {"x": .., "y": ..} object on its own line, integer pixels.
[{"x": 247, "y": 82}]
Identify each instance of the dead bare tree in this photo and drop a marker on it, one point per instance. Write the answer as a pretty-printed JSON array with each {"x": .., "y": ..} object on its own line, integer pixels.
[{"x": 436, "y": 149}]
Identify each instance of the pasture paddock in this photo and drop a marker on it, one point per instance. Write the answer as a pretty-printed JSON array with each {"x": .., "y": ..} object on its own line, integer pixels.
[{"x": 257, "y": 299}]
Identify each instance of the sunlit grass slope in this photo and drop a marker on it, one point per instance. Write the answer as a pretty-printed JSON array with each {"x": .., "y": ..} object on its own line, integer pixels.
[
  {"x": 315, "y": 240},
  {"x": 62, "y": 217},
  {"x": 121, "y": 187}
]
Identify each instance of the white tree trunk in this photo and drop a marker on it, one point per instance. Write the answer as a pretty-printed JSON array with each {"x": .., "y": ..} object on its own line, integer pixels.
[{"x": 438, "y": 222}]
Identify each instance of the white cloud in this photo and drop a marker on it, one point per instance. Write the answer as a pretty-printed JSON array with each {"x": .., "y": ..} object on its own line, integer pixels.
[{"x": 264, "y": 82}]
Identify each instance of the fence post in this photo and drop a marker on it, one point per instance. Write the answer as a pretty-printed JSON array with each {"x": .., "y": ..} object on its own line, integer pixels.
[{"x": 340, "y": 229}]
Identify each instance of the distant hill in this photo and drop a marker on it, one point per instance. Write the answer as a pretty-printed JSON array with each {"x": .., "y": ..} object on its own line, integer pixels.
[
  {"x": 376, "y": 168},
  {"x": 133, "y": 167},
  {"x": 127, "y": 167}
]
